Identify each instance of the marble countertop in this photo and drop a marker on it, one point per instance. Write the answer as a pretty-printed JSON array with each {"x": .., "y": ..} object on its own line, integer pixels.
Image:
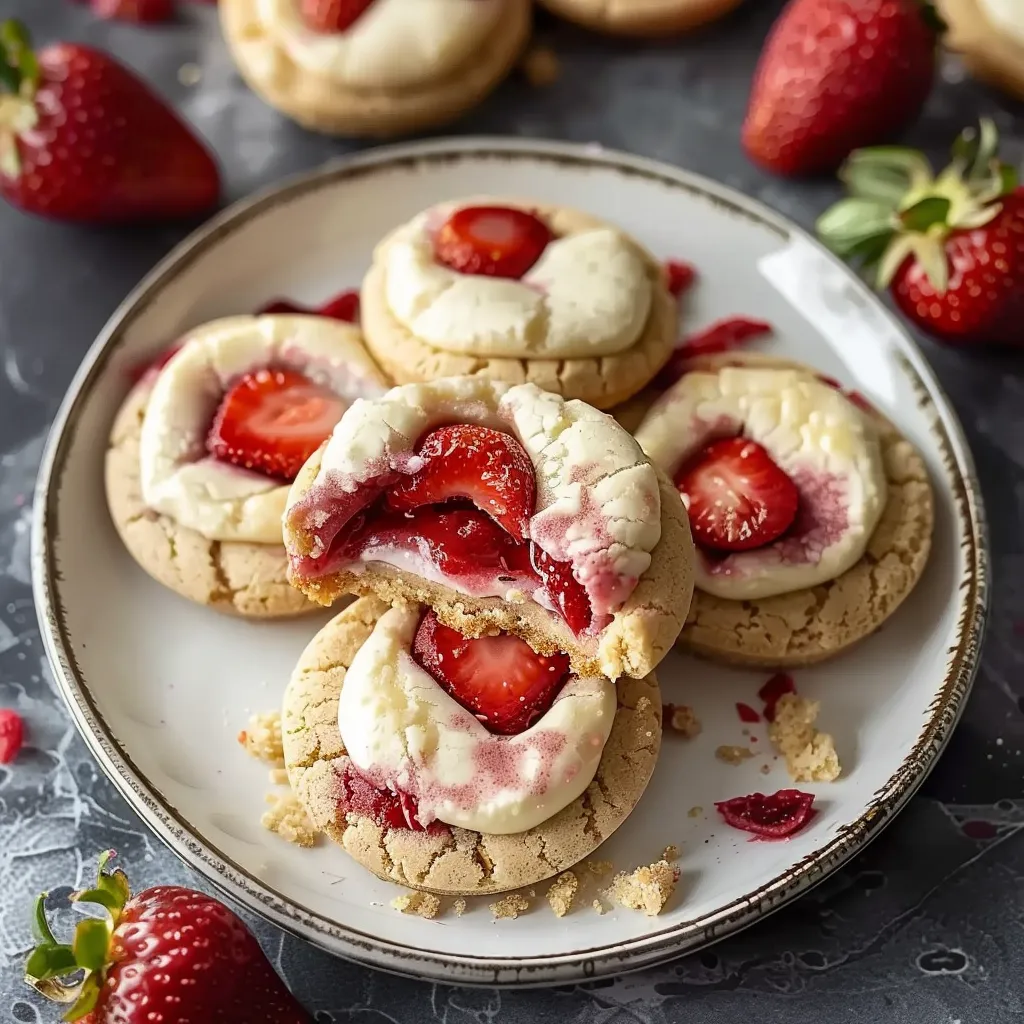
[{"x": 927, "y": 925}]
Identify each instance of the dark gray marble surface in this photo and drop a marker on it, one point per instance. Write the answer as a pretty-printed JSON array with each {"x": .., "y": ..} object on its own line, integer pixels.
[{"x": 926, "y": 926}]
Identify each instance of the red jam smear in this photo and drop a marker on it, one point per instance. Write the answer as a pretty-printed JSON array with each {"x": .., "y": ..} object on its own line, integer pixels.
[
  {"x": 747, "y": 713},
  {"x": 773, "y": 816},
  {"x": 777, "y": 687},
  {"x": 722, "y": 336}
]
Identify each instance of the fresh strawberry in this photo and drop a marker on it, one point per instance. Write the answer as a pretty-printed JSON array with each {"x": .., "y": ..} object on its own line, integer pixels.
[
  {"x": 835, "y": 75},
  {"x": 12, "y": 735},
  {"x": 950, "y": 248},
  {"x": 736, "y": 496},
  {"x": 344, "y": 306},
  {"x": 497, "y": 241},
  {"x": 489, "y": 468},
  {"x": 167, "y": 954},
  {"x": 499, "y": 678},
  {"x": 680, "y": 276},
  {"x": 565, "y": 591},
  {"x": 332, "y": 15},
  {"x": 84, "y": 139},
  {"x": 146, "y": 12},
  {"x": 271, "y": 421}
]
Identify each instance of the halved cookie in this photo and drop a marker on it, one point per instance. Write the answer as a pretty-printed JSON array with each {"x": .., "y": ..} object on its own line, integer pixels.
[
  {"x": 373, "y": 810},
  {"x": 191, "y": 505},
  {"x": 789, "y": 591},
  {"x": 503, "y": 509},
  {"x": 519, "y": 292},
  {"x": 641, "y": 17},
  {"x": 397, "y": 67}
]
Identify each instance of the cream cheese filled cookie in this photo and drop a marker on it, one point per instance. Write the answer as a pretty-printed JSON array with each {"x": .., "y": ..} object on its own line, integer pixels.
[
  {"x": 204, "y": 450},
  {"x": 375, "y": 67},
  {"x": 811, "y": 516},
  {"x": 503, "y": 508},
  {"x": 641, "y": 17},
  {"x": 458, "y": 765},
  {"x": 519, "y": 292}
]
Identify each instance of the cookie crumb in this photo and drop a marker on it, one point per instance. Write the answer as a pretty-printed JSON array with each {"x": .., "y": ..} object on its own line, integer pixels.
[
  {"x": 695, "y": 812},
  {"x": 599, "y": 907},
  {"x": 810, "y": 755},
  {"x": 733, "y": 755},
  {"x": 510, "y": 907},
  {"x": 459, "y": 907},
  {"x": 680, "y": 718},
  {"x": 541, "y": 66},
  {"x": 648, "y": 888},
  {"x": 418, "y": 904},
  {"x": 288, "y": 819},
  {"x": 278, "y": 777},
  {"x": 671, "y": 852},
  {"x": 262, "y": 738},
  {"x": 562, "y": 893}
]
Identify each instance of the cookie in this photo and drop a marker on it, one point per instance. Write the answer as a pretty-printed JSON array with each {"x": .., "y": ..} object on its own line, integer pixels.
[
  {"x": 812, "y": 624},
  {"x": 533, "y": 339},
  {"x": 250, "y": 580},
  {"x": 989, "y": 36},
  {"x": 614, "y": 528},
  {"x": 454, "y": 861},
  {"x": 641, "y": 17},
  {"x": 398, "y": 68}
]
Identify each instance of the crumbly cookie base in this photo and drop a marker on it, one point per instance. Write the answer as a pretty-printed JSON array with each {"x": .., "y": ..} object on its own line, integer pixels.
[
  {"x": 641, "y": 17},
  {"x": 456, "y": 862},
  {"x": 250, "y": 580},
  {"x": 633, "y": 644},
  {"x": 601, "y": 381},
  {"x": 988, "y": 54},
  {"x": 318, "y": 103}
]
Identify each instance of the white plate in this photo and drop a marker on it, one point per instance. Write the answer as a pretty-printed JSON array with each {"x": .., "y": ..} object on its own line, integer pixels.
[{"x": 160, "y": 687}]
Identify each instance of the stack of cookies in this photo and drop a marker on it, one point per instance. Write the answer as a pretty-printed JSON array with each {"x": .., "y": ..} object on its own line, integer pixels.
[{"x": 485, "y": 712}]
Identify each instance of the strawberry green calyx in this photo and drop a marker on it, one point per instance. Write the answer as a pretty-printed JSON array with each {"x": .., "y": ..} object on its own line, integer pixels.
[
  {"x": 897, "y": 207},
  {"x": 52, "y": 964},
  {"x": 19, "y": 79}
]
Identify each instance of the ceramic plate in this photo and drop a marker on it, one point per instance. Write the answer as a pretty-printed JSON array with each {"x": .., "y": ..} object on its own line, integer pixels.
[{"x": 160, "y": 687}]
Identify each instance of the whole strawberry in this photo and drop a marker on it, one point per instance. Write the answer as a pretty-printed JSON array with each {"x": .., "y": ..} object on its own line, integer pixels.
[
  {"x": 835, "y": 75},
  {"x": 84, "y": 139},
  {"x": 167, "y": 954},
  {"x": 950, "y": 248}
]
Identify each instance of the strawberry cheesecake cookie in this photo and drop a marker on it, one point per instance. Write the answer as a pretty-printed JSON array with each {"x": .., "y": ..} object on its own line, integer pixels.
[
  {"x": 989, "y": 35},
  {"x": 519, "y": 292},
  {"x": 641, "y": 17},
  {"x": 374, "y": 67},
  {"x": 458, "y": 765},
  {"x": 204, "y": 450},
  {"x": 504, "y": 508},
  {"x": 812, "y": 516}
]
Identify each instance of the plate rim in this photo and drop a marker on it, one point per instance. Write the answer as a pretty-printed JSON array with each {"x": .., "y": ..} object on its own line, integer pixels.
[{"x": 159, "y": 813}]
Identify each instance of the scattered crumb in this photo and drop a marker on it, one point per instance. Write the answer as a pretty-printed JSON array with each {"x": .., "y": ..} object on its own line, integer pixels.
[
  {"x": 671, "y": 852},
  {"x": 766, "y": 769},
  {"x": 510, "y": 906},
  {"x": 278, "y": 777},
  {"x": 419, "y": 904},
  {"x": 541, "y": 66},
  {"x": 810, "y": 755},
  {"x": 599, "y": 868},
  {"x": 695, "y": 812},
  {"x": 288, "y": 819},
  {"x": 190, "y": 74},
  {"x": 599, "y": 907},
  {"x": 262, "y": 739},
  {"x": 733, "y": 755},
  {"x": 459, "y": 907},
  {"x": 681, "y": 719},
  {"x": 648, "y": 888},
  {"x": 532, "y": 893},
  {"x": 562, "y": 893}
]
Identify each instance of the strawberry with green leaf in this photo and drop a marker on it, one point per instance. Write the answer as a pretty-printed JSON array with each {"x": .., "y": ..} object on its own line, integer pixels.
[
  {"x": 167, "y": 954},
  {"x": 949, "y": 247}
]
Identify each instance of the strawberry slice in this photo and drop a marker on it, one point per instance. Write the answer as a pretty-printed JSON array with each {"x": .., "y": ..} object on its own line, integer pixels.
[
  {"x": 496, "y": 241},
  {"x": 500, "y": 679},
  {"x": 271, "y": 421},
  {"x": 145, "y": 12},
  {"x": 566, "y": 592},
  {"x": 736, "y": 496},
  {"x": 332, "y": 15},
  {"x": 344, "y": 306},
  {"x": 485, "y": 466}
]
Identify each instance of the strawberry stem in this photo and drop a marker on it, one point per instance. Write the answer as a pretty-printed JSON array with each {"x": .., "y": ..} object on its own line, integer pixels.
[{"x": 19, "y": 69}]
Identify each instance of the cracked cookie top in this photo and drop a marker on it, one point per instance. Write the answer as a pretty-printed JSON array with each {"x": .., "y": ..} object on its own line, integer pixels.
[{"x": 233, "y": 414}]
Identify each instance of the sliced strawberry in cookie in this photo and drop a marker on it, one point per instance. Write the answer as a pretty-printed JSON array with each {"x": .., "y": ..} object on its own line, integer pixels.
[
  {"x": 500, "y": 679},
  {"x": 737, "y": 497},
  {"x": 271, "y": 421},
  {"x": 333, "y": 15},
  {"x": 565, "y": 591},
  {"x": 495, "y": 241},
  {"x": 485, "y": 466}
]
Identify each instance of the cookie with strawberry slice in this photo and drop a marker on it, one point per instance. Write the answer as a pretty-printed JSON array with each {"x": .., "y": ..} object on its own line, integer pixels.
[
  {"x": 206, "y": 445},
  {"x": 811, "y": 515},
  {"x": 503, "y": 508},
  {"x": 375, "y": 67},
  {"x": 642, "y": 18},
  {"x": 460, "y": 765},
  {"x": 519, "y": 292}
]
